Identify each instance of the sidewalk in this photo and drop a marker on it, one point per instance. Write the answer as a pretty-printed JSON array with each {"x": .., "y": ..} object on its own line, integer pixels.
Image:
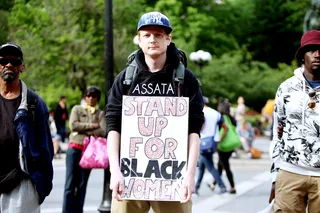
[{"x": 253, "y": 185}]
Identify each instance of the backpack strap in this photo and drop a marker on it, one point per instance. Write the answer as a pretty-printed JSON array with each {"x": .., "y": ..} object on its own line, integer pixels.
[
  {"x": 178, "y": 77},
  {"x": 32, "y": 103},
  {"x": 130, "y": 74}
]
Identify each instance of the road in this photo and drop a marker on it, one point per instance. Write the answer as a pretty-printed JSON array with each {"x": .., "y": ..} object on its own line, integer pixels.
[{"x": 251, "y": 176}]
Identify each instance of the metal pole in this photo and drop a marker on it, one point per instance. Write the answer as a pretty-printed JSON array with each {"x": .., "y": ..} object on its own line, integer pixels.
[
  {"x": 105, "y": 206},
  {"x": 108, "y": 38}
]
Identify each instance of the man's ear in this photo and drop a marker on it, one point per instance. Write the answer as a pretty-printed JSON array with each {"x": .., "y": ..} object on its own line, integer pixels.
[
  {"x": 22, "y": 67},
  {"x": 169, "y": 39}
]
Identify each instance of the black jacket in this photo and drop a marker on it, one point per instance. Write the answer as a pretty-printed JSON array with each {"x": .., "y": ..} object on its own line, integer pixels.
[{"x": 158, "y": 83}]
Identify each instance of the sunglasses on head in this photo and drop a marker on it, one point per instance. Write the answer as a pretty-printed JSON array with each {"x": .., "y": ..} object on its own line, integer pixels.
[{"x": 12, "y": 61}]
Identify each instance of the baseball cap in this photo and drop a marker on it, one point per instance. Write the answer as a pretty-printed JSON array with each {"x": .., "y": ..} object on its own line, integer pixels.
[
  {"x": 11, "y": 49},
  {"x": 310, "y": 38},
  {"x": 155, "y": 19}
]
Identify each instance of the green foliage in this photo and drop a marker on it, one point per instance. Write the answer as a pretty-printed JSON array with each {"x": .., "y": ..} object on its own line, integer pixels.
[
  {"x": 278, "y": 29},
  {"x": 235, "y": 74},
  {"x": 5, "y": 6},
  {"x": 252, "y": 42},
  {"x": 61, "y": 32},
  {"x": 52, "y": 93}
]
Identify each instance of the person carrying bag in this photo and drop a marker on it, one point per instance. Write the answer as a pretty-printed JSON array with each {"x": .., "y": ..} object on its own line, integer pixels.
[
  {"x": 224, "y": 156},
  {"x": 232, "y": 139},
  {"x": 208, "y": 143}
]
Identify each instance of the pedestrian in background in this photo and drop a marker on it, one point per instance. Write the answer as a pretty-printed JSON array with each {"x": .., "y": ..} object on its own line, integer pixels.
[
  {"x": 56, "y": 138},
  {"x": 26, "y": 149},
  {"x": 210, "y": 129},
  {"x": 156, "y": 60},
  {"x": 61, "y": 116},
  {"x": 246, "y": 134},
  {"x": 85, "y": 121},
  {"x": 296, "y": 154},
  {"x": 223, "y": 163},
  {"x": 240, "y": 111}
]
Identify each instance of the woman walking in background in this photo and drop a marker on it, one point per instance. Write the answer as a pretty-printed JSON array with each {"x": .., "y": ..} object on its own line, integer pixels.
[{"x": 223, "y": 163}]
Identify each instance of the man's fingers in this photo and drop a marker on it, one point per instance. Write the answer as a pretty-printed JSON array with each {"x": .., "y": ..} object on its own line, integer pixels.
[
  {"x": 115, "y": 193},
  {"x": 186, "y": 195}
]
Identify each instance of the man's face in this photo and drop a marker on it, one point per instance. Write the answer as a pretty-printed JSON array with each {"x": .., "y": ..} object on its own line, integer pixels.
[
  {"x": 10, "y": 68},
  {"x": 312, "y": 60},
  {"x": 153, "y": 41},
  {"x": 91, "y": 99}
]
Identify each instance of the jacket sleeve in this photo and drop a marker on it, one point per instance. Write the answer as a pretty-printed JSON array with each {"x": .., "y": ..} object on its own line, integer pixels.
[
  {"x": 192, "y": 90},
  {"x": 114, "y": 104},
  {"x": 46, "y": 150},
  {"x": 102, "y": 130},
  {"x": 279, "y": 120}
]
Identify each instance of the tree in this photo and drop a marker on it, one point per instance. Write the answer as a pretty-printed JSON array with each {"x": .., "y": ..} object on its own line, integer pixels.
[{"x": 278, "y": 29}]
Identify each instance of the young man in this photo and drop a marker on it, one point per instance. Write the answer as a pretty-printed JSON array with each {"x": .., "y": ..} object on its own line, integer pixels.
[
  {"x": 26, "y": 149},
  {"x": 156, "y": 61},
  {"x": 296, "y": 155}
]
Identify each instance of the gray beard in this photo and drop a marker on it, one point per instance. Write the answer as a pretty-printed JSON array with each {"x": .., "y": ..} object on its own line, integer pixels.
[{"x": 8, "y": 76}]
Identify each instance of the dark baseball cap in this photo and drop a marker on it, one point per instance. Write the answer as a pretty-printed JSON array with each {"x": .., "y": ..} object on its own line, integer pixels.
[{"x": 11, "y": 49}]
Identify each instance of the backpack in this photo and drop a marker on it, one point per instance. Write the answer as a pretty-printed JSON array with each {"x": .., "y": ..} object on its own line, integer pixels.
[
  {"x": 178, "y": 73},
  {"x": 32, "y": 103}
]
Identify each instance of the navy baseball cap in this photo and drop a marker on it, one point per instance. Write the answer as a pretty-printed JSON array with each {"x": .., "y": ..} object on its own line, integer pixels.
[
  {"x": 155, "y": 19},
  {"x": 11, "y": 49}
]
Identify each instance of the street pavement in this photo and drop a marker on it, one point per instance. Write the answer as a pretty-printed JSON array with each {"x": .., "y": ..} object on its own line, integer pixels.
[{"x": 252, "y": 179}]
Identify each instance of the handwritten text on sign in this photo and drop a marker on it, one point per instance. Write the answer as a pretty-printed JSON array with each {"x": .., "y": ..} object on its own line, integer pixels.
[{"x": 154, "y": 145}]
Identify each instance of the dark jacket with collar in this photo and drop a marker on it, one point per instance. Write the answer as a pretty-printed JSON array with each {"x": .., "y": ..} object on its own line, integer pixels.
[
  {"x": 158, "y": 83},
  {"x": 36, "y": 148}
]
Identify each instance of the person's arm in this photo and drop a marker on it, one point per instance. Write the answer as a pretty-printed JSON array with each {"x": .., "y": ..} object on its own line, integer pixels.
[
  {"x": 76, "y": 125},
  {"x": 279, "y": 120},
  {"x": 102, "y": 130},
  {"x": 192, "y": 90},
  {"x": 224, "y": 126},
  {"x": 43, "y": 162},
  {"x": 117, "y": 180},
  {"x": 113, "y": 120},
  {"x": 225, "y": 130},
  {"x": 193, "y": 154},
  {"x": 196, "y": 119}
]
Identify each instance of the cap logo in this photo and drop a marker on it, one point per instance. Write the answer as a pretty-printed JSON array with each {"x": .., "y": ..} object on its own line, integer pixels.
[{"x": 154, "y": 18}]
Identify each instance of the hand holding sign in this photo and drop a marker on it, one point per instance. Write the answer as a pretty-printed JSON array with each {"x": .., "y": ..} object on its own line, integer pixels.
[
  {"x": 188, "y": 188},
  {"x": 117, "y": 185}
]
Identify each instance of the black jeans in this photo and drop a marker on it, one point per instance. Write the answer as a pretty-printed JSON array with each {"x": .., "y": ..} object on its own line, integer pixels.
[
  {"x": 76, "y": 183},
  {"x": 223, "y": 164}
]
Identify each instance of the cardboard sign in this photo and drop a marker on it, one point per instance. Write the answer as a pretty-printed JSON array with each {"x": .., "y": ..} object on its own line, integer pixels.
[{"x": 154, "y": 145}]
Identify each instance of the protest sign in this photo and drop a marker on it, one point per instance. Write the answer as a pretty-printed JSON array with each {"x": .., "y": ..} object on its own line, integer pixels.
[{"x": 154, "y": 147}]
